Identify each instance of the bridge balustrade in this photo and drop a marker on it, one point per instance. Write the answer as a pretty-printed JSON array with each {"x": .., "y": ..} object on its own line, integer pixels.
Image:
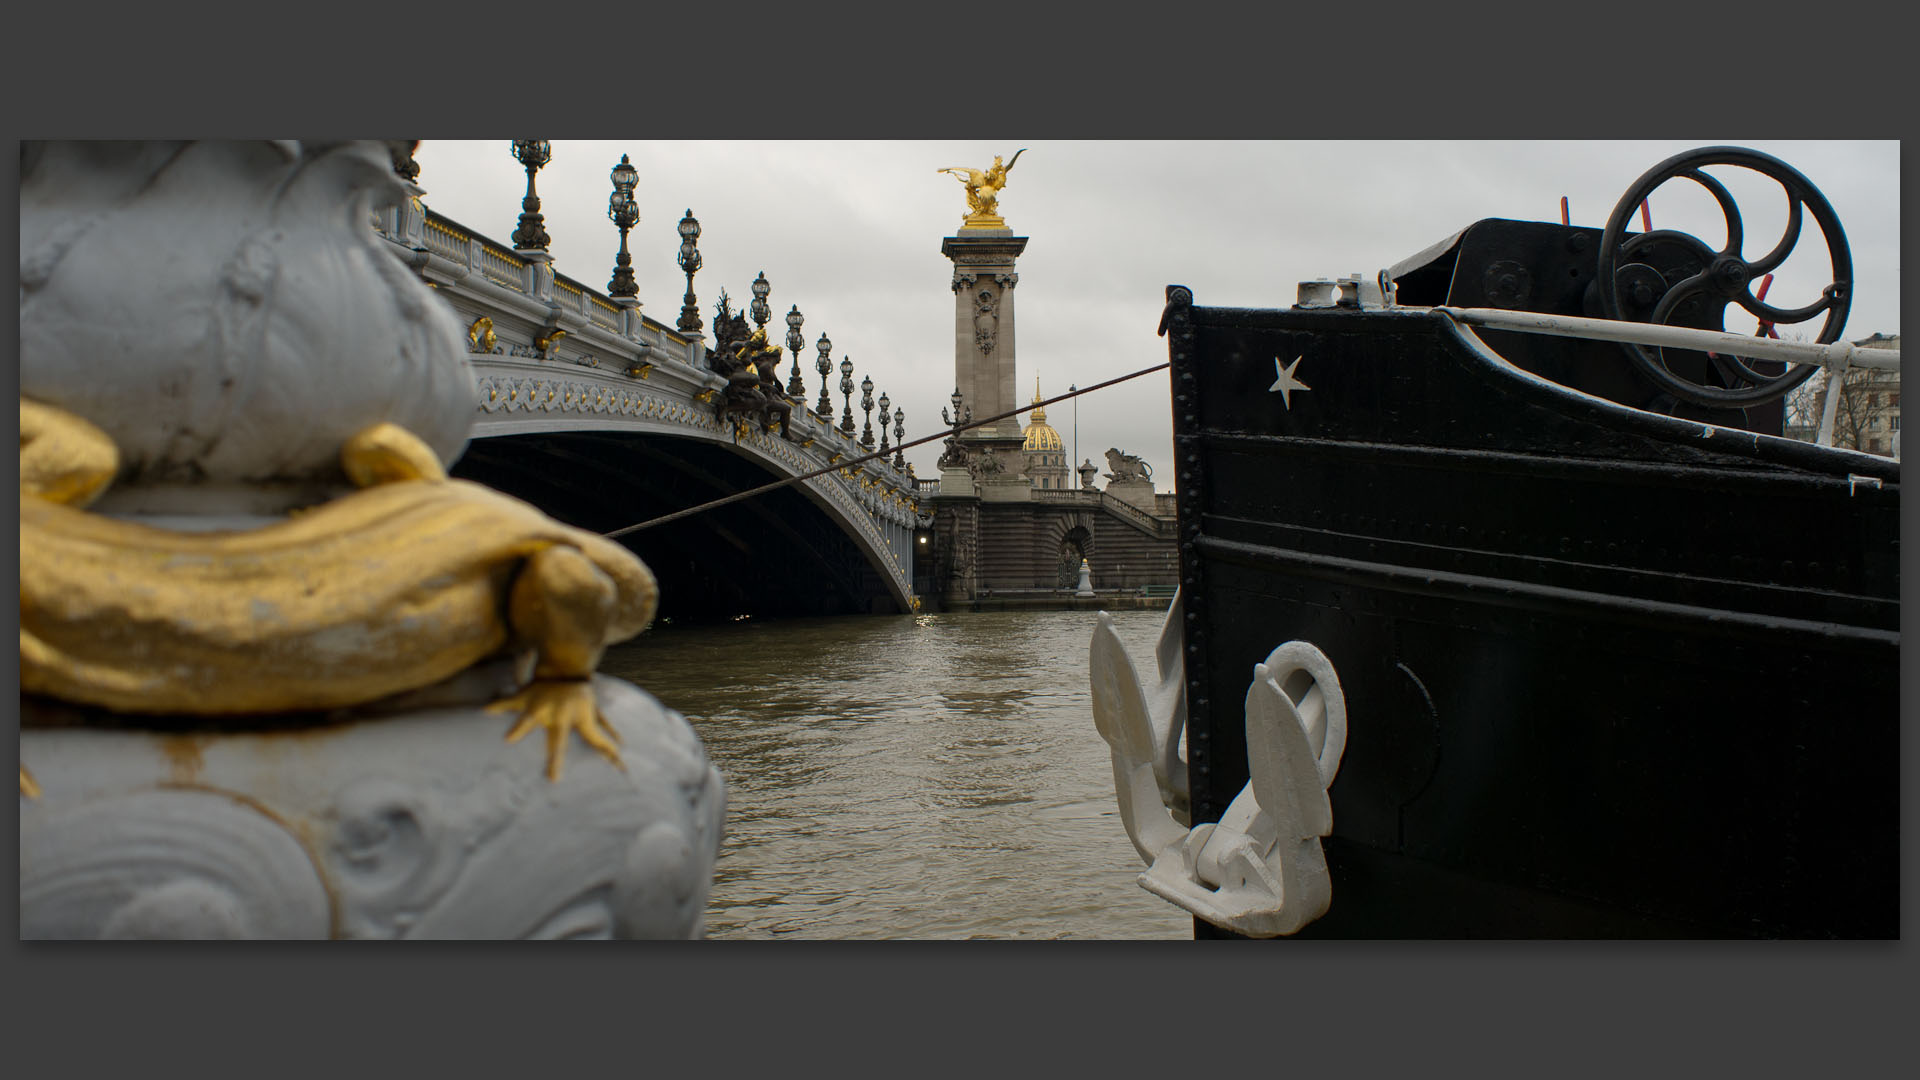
[{"x": 1118, "y": 507}]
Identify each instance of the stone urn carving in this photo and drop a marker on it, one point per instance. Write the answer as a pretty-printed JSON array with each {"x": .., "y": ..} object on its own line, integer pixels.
[{"x": 224, "y": 311}]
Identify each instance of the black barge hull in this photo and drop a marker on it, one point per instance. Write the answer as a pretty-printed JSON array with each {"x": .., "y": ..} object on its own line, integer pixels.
[{"x": 1608, "y": 673}]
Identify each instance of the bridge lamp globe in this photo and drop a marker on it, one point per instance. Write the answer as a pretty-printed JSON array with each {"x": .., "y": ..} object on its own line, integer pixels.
[
  {"x": 624, "y": 177},
  {"x": 824, "y": 409},
  {"x": 623, "y": 212},
  {"x": 866, "y": 406},
  {"x": 532, "y": 234},
  {"x": 689, "y": 265},
  {"x": 883, "y": 425},
  {"x": 759, "y": 308},
  {"x": 689, "y": 240},
  {"x": 846, "y": 391},
  {"x": 796, "y": 386},
  {"x": 532, "y": 153}
]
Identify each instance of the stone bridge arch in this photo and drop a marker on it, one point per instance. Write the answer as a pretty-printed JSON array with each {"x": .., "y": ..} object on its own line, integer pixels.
[
  {"x": 1072, "y": 538},
  {"x": 602, "y": 452}
]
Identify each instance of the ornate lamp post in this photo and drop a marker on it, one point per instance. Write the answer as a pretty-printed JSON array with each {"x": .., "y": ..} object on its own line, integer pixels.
[
  {"x": 866, "y": 405},
  {"x": 899, "y": 438},
  {"x": 883, "y": 425},
  {"x": 1074, "y": 389},
  {"x": 846, "y": 390},
  {"x": 957, "y": 420},
  {"x": 689, "y": 263},
  {"x": 760, "y": 309},
  {"x": 821, "y": 364},
  {"x": 796, "y": 386},
  {"x": 623, "y": 212},
  {"x": 954, "y": 456},
  {"x": 532, "y": 234}
]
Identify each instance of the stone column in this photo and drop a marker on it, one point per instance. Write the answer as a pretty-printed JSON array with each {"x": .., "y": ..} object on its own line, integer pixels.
[
  {"x": 540, "y": 274},
  {"x": 983, "y": 352}
]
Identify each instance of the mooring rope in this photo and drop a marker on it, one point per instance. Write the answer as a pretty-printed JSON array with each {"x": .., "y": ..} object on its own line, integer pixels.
[{"x": 943, "y": 433}]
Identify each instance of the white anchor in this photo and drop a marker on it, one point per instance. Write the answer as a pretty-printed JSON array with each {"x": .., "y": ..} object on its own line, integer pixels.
[{"x": 1259, "y": 871}]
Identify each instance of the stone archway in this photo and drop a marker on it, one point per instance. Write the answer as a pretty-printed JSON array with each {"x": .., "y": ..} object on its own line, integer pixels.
[{"x": 1075, "y": 545}]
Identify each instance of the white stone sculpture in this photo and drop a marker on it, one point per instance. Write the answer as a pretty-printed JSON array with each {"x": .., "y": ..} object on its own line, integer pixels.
[
  {"x": 1127, "y": 468},
  {"x": 1259, "y": 871},
  {"x": 423, "y": 824},
  {"x": 234, "y": 390}
]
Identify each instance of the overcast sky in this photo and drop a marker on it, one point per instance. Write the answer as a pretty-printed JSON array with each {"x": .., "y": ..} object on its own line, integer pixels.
[{"x": 851, "y": 233}]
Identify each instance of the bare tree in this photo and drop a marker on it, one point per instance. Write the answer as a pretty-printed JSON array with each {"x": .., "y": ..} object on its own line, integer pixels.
[{"x": 1866, "y": 417}]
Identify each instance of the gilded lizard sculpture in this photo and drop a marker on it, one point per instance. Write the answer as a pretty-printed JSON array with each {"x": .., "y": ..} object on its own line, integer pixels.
[{"x": 395, "y": 586}]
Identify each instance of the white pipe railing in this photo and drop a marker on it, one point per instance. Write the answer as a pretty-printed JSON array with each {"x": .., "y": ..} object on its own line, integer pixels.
[
  {"x": 1839, "y": 354},
  {"x": 1836, "y": 358}
]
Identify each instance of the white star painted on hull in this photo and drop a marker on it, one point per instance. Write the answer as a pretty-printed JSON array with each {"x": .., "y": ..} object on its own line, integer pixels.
[{"x": 1286, "y": 384}]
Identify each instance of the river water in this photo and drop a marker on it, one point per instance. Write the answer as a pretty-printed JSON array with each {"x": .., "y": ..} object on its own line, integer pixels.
[{"x": 909, "y": 777}]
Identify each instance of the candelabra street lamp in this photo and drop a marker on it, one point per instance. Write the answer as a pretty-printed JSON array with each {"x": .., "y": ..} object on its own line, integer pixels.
[
  {"x": 866, "y": 405},
  {"x": 954, "y": 456},
  {"x": 883, "y": 425},
  {"x": 824, "y": 410},
  {"x": 759, "y": 308},
  {"x": 846, "y": 390},
  {"x": 532, "y": 234},
  {"x": 956, "y": 420},
  {"x": 899, "y": 438},
  {"x": 623, "y": 212},
  {"x": 796, "y": 386},
  {"x": 689, "y": 263}
]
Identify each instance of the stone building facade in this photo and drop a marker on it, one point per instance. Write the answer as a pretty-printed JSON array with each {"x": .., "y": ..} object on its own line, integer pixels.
[{"x": 1868, "y": 415}]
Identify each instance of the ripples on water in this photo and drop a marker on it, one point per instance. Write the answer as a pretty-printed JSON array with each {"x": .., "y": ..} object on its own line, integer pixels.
[{"x": 928, "y": 776}]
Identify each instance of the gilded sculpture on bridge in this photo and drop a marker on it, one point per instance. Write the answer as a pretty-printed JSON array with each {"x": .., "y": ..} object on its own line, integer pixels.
[
  {"x": 754, "y": 390},
  {"x": 983, "y": 190}
]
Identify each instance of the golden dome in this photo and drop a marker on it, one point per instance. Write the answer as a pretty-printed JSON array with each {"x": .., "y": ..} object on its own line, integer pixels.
[{"x": 1040, "y": 435}]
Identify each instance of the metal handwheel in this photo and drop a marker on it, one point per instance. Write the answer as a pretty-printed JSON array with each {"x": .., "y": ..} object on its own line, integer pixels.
[{"x": 1627, "y": 280}]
